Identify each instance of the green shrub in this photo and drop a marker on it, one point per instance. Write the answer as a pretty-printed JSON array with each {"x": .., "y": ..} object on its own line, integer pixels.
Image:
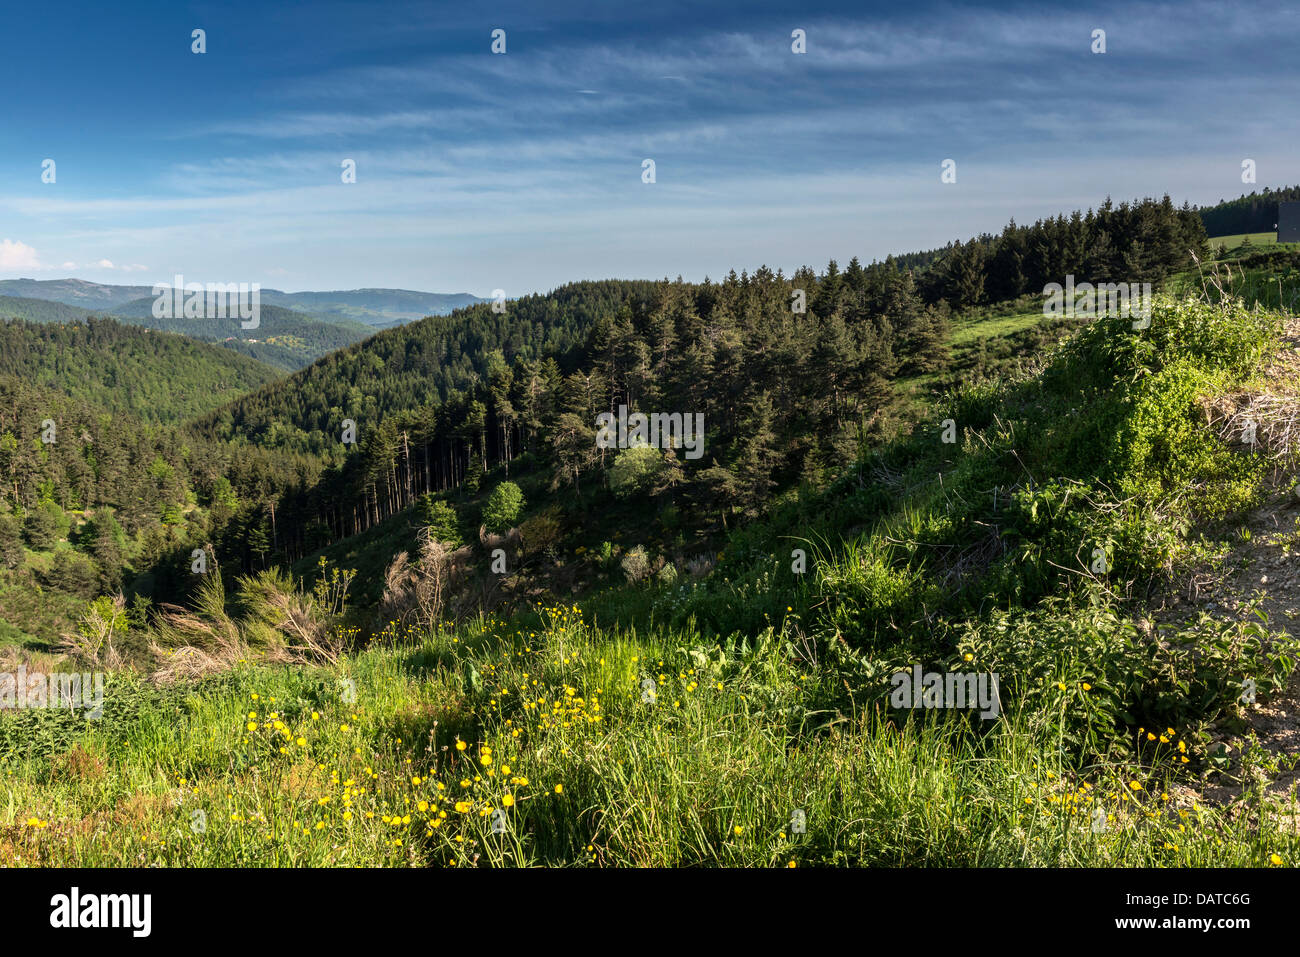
[
  {"x": 440, "y": 517},
  {"x": 1090, "y": 676},
  {"x": 44, "y": 526},
  {"x": 635, "y": 470},
  {"x": 1164, "y": 448},
  {"x": 868, "y": 596},
  {"x": 540, "y": 533},
  {"x": 636, "y": 564},
  {"x": 503, "y": 506}
]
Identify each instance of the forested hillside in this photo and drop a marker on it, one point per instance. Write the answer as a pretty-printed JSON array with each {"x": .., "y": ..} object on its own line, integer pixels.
[
  {"x": 283, "y": 337},
  {"x": 39, "y": 310},
  {"x": 95, "y": 500},
  {"x": 418, "y": 364},
  {"x": 153, "y": 376},
  {"x": 792, "y": 374},
  {"x": 373, "y": 307},
  {"x": 1255, "y": 213}
]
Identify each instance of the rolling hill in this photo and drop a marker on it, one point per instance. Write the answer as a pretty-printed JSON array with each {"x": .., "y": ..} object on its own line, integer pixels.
[
  {"x": 372, "y": 307},
  {"x": 295, "y": 330},
  {"x": 40, "y": 310},
  {"x": 155, "y": 376},
  {"x": 89, "y": 296},
  {"x": 283, "y": 337}
]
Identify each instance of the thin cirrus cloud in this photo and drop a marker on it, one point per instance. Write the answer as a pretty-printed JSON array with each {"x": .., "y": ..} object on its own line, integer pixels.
[{"x": 477, "y": 171}]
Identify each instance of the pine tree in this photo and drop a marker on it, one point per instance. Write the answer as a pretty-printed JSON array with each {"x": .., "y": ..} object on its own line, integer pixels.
[{"x": 758, "y": 456}]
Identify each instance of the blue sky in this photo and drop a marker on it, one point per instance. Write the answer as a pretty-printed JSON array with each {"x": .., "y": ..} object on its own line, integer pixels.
[{"x": 522, "y": 171}]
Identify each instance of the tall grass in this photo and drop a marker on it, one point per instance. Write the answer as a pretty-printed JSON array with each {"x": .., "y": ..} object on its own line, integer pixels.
[{"x": 575, "y": 763}]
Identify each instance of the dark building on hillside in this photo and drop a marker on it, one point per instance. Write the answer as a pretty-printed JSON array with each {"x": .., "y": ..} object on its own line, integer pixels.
[{"x": 1288, "y": 222}]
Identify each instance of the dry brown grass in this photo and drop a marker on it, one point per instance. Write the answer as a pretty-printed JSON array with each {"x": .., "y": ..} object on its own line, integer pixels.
[
  {"x": 77, "y": 764},
  {"x": 192, "y": 643},
  {"x": 417, "y": 594},
  {"x": 1268, "y": 412},
  {"x": 280, "y": 624},
  {"x": 93, "y": 641}
]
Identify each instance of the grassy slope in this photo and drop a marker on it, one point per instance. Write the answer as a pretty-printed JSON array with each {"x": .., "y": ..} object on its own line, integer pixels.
[
  {"x": 1264, "y": 272},
  {"x": 1232, "y": 242},
  {"x": 738, "y": 734},
  {"x": 562, "y": 742}
]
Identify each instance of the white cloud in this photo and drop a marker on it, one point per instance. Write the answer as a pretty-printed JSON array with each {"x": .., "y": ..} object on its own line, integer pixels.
[{"x": 16, "y": 256}]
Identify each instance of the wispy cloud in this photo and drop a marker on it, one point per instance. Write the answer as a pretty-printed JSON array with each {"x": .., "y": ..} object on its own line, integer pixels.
[{"x": 472, "y": 167}]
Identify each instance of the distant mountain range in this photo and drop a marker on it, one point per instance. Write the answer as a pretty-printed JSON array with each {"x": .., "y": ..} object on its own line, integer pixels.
[
  {"x": 295, "y": 329},
  {"x": 379, "y": 308}
]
